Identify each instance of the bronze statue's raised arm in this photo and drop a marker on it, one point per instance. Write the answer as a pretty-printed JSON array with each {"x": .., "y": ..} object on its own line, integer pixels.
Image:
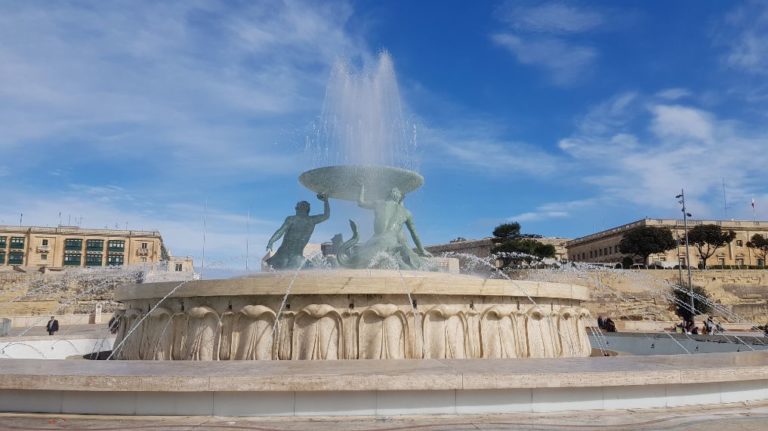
[
  {"x": 412, "y": 229},
  {"x": 326, "y": 210},
  {"x": 361, "y": 198}
]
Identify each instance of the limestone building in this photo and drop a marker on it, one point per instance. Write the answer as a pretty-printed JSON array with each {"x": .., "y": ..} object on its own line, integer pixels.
[
  {"x": 603, "y": 247},
  {"x": 71, "y": 246}
]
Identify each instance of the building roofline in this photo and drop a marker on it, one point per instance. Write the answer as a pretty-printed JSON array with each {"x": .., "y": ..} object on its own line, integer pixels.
[
  {"x": 75, "y": 230},
  {"x": 667, "y": 221}
]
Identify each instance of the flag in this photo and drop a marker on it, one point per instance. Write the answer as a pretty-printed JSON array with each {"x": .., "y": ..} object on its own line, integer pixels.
[{"x": 753, "y": 203}]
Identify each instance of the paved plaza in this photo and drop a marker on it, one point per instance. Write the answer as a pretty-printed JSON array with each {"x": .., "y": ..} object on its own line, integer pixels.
[{"x": 736, "y": 417}]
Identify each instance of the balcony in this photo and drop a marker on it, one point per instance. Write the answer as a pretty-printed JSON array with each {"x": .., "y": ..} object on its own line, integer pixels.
[
  {"x": 43, "y": 248},
  {"x": 142, "y": 252}
]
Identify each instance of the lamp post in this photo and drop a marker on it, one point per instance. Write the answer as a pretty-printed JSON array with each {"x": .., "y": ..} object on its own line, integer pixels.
[{"x": 681, "y": 196}]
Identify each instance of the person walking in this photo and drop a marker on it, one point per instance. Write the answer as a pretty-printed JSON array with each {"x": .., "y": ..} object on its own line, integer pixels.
[{"x": 52, "y": 326}]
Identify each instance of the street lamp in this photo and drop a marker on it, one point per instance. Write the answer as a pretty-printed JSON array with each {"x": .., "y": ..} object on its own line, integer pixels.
[{"x": 681, "y": 201}]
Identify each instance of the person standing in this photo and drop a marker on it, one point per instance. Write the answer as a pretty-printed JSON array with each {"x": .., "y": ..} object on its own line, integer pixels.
[{"x": 52, "y": 326}]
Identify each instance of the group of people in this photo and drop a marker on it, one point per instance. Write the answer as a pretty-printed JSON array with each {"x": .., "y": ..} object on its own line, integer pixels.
[
  {"x": 606, "y": 325},
  {"x": 689, "y": 327}
]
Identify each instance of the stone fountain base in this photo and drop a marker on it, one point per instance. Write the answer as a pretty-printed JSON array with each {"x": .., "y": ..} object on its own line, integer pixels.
[{"x": 354, "y": 314}]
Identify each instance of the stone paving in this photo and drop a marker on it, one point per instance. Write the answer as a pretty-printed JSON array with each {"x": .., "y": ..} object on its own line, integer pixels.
[{"x": 737, "y": 417}]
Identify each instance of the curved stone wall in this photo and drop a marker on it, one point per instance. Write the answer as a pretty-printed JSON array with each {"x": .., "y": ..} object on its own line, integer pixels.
[{"x": 353, "y": 326}]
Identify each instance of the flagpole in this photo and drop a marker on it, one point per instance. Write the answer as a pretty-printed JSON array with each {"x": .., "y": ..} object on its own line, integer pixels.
[{"x": 754, "y": 214}]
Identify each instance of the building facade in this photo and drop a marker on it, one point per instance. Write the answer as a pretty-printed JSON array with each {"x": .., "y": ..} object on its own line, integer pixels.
[
  {"x": 603, "y": 247},
  {"x": 72, "y": 247}
]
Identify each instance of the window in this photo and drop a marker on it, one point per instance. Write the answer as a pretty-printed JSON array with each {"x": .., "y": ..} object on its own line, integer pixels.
[
  {"x": 15, "y": 258},
  {"x": 721, "y": 261},
  {"x": 44, "y": 256},
  {"x": 75, "y": 244},
  {"x": 144, "y": 245},
  {"x": 739, "y": 243},
  {"x": 72, "y": 259},
  {"x": 45, "y": 242},
  {"x": 94, "y": 245},
  {"x": 115, "y": 259},
  {"x": 179, "y": 267},
  {"x": 740, "y": 261},
  {"x": 93, "y": 259},
  {"x": 143, "y": 259},
  {"x": 117, "y": 245},
  {"x": 2, "y": 257},
  {"x": 17, "y": 242},
  {"x": 760, "y": 262},
  {"x": 615, "y": 248},
  {"x": 3, "y": 242}
]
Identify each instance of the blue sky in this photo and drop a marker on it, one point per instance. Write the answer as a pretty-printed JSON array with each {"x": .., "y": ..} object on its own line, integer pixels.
[{"x": 568, "y": 117}]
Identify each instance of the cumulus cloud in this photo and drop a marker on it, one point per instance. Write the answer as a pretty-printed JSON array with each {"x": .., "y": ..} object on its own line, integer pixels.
[
  {"x": 640, "y": 149},
  {"x": 681, "y": 121}
]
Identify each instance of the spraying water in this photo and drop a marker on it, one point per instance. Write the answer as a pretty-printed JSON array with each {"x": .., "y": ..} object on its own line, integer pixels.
[{"x": 362, "y": 120}]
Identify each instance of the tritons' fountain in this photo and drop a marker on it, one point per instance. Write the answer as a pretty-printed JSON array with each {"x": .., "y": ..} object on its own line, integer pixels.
[
  {"x": 358, "y": 310},
  {"x": 385, "y": 299}
]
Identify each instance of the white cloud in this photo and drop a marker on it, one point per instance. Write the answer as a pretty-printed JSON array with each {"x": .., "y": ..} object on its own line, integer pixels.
[
  {"x": 688, "y": 147},
  {"x": 673, "y": 93},
  {"x": 552, "y": 17},
  {"x": 553, "y": 210},
  {"x": 543, "y": 35},
  {"x": 169, "y": 78},
  {"x": 745, "y": 36},
  {"x": 565, "y": 62},
  {"x": 479, "y": 146},
  {"x": 679, "y": 121}
]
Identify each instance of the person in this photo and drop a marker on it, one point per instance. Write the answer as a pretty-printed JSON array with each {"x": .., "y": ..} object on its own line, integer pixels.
[
  {"x": 52, "y": 326},
  {"x": 114, "y": 324},
  {"x": 296, "y": 231},
  {"x": 609, "y": 325},
  {"x": 690, "y": 327},
  {"x": 389, "y": 216},
  {"x": 709, "y": 325},
  {"x": 600, "y": 322}
]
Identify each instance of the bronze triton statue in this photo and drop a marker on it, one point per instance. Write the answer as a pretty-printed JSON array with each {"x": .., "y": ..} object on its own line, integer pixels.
[
  {"x": 389, "y": 216},
  {"x": 296, "y": 231}
]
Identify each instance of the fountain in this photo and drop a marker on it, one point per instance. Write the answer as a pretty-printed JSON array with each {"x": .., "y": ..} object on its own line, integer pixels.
[{"x": 384, "y": 299}]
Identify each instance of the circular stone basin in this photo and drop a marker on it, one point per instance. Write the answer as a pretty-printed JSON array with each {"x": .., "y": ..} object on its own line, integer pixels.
[
  {"x": 353, "y": 314},
  {"x": 343, "y": 182}
]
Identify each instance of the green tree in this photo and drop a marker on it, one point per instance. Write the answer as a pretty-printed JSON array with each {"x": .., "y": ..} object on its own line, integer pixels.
[
  {"x": 508, "y": 239},
  {"x": 760, "y": 245},
  {"x": 644, "y": 241},
  {"x": 707, "y": 238},
  {"x": 682, "y": 295}
]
